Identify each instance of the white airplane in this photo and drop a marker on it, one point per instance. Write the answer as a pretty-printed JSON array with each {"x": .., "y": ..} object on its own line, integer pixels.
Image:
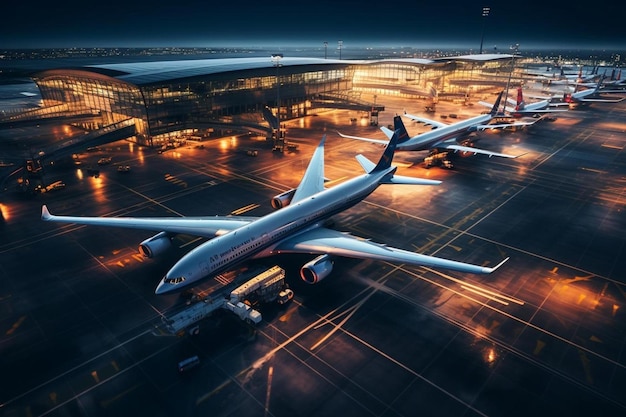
[
  {"x": 522, "y": 109},
  {"x": 565, "y": 79},
  {"x": 586, "y": 96},
  {"x": 296, "y": 228},
  {"x": 615, "y": 79},
  {"x": 446, "y": 137}
]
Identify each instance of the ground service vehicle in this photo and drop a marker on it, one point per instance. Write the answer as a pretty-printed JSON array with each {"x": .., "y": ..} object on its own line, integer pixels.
[{"x": 188, "y": 364}]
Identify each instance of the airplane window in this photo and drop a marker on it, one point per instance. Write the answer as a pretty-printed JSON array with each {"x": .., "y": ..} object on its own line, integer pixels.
[{"x": 176, "y": 280}]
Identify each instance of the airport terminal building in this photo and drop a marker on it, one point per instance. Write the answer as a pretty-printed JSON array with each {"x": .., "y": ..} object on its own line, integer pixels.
[{"x": 163, "y": 100}]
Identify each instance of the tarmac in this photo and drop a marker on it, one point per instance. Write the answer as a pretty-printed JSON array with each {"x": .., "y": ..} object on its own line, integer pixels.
[{"x": 543, "y": 335}]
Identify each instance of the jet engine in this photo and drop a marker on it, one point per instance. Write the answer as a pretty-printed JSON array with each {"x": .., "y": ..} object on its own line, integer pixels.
[
  {"x": 316, "y": 270},
  {"x": 155, "y": 245},
  {"x": 283, "y": 200}
]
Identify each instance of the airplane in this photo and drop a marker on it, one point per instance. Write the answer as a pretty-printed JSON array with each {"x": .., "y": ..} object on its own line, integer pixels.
[
  {"x": 586, "y": 96},
  {"x": 446, "y": 137},
  {"x": 615, "y": 80},
  {"x": 563, "y": 78},
  {"x": 522, "y": 109},
  {"x": 297, "y": 227}
]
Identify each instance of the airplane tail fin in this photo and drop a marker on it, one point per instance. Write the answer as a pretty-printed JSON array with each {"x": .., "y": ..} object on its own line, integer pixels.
[
  {"x": 398, "y": 126},
  {"x": 387, "y": 156},
  {"x": 496, "y": 105},
  {"x": 270, "y": 117},
  {"x": 520, "y": 99}
]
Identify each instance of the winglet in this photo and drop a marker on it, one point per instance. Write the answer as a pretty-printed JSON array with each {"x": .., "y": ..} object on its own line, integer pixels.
[
  {"x": 490, "y": 270},
  {"x": 45, "y": 214}
]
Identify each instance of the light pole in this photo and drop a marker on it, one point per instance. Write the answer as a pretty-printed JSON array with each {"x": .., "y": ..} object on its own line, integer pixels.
[
  {"x": 325, "y": 49},
  {"x": 340, "y": 45},
  {"x": 485, "y": 13},
  {"x": 515, "y": 49}
]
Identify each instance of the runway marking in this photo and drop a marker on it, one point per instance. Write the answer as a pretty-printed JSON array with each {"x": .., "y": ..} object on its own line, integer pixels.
[
  {"x": 270, "y": 373},
  {"x": 244, "y": 209},
  {"x": 190, "y": 242},
  {"x": 509, "y": 347},
  {"x": 320, "y": 322},
  {"x": 597, "y": 171},
  {"x": 106, "y": 403},
  {"x": 586, "y": 366},
  {"x": 15, "y": 326},
  {"x": 619, "y": 148},
  {"x": 80, "y": 365},
  {"x": 209, "y": 394},
  {"x": 336, "y": 327}
]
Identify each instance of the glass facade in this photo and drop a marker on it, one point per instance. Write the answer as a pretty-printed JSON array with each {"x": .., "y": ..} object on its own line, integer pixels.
[
  {"x": 83, "y": 92},
  {"x": 164, "y": 108},
  {"x": 220, "y": 98},
  {"x": 445, "y": 79}
]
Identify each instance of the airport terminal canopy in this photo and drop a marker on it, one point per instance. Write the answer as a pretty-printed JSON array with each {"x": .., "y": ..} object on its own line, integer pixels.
[{"x": 165, "y": 97}]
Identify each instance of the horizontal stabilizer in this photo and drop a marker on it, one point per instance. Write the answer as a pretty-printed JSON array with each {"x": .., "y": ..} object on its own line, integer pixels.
[
  {"x": 379, "y": 141},
  {"x": 388, "y": 132},
  {"x": 367, "y": 165},
  {"x": 399, "y": 179}
]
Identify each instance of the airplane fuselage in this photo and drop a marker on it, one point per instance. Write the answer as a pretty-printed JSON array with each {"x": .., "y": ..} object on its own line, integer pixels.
[
  {"x": 260, "y": 237},
  {"x": 429, "y": 140}
]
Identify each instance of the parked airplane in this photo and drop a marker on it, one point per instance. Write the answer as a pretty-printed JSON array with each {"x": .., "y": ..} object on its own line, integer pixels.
[
  {"x": 296, "y": 228},
  {"x": 446, "y": 137},
  {"x": 615, "y": 79},
  {"x": 522, "y": 109},
  {"x": 563, "y": 78},
  {"x": 586, "y": 96}
]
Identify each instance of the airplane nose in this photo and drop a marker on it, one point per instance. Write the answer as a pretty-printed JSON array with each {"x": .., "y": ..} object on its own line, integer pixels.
[{"x": 162, "y": 288}]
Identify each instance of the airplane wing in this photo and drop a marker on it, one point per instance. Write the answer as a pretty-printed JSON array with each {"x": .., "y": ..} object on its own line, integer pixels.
[
  {"x": 378, "y": 141},
  {"x": 558, "y": 104},
  {"x": 602, "y": 100},
  {"x": 425, "y": 120},
  {"x": 313, "y": 180},
  {"x": 461, "y": 148},
  {"x": 490, "y": 105},
  {"x": 605, "y": 90},
  {"x": 485, "y": 104},
  {"x": 504, "y": 125},
  {"x": 207, "y": 227},
  {"x": 332, "y": 242},
  {"x": 532, "y": 112}
]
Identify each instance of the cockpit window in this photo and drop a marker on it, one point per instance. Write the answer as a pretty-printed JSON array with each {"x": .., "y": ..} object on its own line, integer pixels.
[{"x": 174, "y": 281}]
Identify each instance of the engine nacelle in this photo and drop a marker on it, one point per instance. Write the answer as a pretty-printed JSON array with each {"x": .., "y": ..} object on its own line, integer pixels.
[
  {"x": 283, "y": 200},
  {"x": 316, "y": 270},
  {"x": 155, "y": 245}
]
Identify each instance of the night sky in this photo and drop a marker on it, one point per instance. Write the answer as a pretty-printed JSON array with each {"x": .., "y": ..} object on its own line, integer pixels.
[{"x": 118, "y": 23}]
